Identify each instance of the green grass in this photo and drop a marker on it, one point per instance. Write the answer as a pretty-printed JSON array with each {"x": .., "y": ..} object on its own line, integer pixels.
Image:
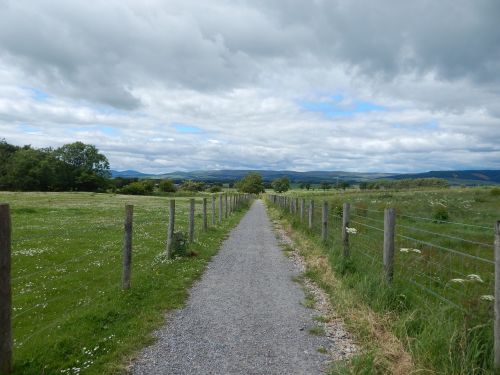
[
  {"x": 445, "y": 325},
  {"x": 316, "y": 331},
  {"x": 70, "y": 314}
]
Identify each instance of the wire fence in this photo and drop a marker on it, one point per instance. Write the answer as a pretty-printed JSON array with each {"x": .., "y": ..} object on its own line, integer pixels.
[
  {"x": 450, "y": 262},
  {"x": 61, "y": 264}
]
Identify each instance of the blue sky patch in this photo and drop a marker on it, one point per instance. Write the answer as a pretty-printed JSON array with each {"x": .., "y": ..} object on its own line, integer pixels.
[
  {"x": 28, "y": 129},
  {"x": 184, "y": 128},
  {"x": 334, "y": 108},
  {"x": 38, "y": 95},
  {"x": 431, "y": 125},
  {"x": 107, "y": 130}
]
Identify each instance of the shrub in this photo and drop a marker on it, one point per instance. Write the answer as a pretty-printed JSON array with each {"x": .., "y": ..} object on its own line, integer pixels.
[
  {"x": 280, "y": 185},
  {"x": 191, "y": 185},
  {"x": 440, "y": 214},
  {"x": 179, "y": 244},
  {"x": 338, "y": 210},
  {"x": 252, "y": 183},
  {"x": 135, "y": 188},
  {"x": 495, "y": 192},
  {"x": 167, "y": 186},
  {"x": 215, "y": 189}
]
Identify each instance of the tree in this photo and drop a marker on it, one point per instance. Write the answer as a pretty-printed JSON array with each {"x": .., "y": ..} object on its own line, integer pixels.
[
  {"x": 363, "y": 185},
  {"x": 280, "y": 185},
  {"x": 191, "y": 185},
  {"x": 252, "y": 183},
  {"x": 134, "y": 188},
  {"x": 29, "y": 169},
  {"x": 308, "y": 186},
  {"x": 344, "y": 185},
  {"x": 325, "y": 186},
  {"x": 84, "y": 157},
  {"x": 215, "y": 189},
  {"x": 6, "y": 152},
  {"x": 86, "y": 168},
  {"x": 167, "y": 186}
]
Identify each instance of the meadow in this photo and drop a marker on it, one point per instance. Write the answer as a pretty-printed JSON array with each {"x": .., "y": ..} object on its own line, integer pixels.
[
  {"x": 70, "y": 314},
  {"x": 440, "y": 302}
]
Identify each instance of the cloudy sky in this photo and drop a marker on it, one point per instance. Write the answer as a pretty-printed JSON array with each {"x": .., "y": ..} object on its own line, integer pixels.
[{"x": 349, "y": 85}]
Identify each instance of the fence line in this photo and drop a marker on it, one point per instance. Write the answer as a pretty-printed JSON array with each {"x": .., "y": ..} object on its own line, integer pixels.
[
  {"x": 229, "y": 204},
  {"x": 431, "y": 267},
  {"x": 6, "y": 341}
]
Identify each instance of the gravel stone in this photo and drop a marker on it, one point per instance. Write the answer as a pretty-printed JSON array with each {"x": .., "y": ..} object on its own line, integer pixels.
[{"x": 243, "y": 317}]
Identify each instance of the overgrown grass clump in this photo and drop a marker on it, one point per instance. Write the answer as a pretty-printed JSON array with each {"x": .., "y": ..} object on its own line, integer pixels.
[
  {"x": 70, "y": 314},
  {"x": 445, "y": 323}
]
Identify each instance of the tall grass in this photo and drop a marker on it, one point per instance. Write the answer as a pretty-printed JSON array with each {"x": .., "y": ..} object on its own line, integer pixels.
[
  {"x": 70, "y": 314},
  {"x": 446, "y": 327}
]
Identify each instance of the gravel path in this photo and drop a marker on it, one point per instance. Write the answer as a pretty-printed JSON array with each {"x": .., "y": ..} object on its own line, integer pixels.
[{"x": 243, "y": 317}]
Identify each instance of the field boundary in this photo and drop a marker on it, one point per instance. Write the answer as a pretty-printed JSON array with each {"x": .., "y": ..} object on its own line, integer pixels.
[
  {"x": 392, "y": 244},
  {"x": 229, "y": 205}
]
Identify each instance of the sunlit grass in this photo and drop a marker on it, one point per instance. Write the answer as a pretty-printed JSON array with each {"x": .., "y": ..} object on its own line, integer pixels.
[
  {"x": 69, "y": 312},
  {"x": 440, "y": 303}
]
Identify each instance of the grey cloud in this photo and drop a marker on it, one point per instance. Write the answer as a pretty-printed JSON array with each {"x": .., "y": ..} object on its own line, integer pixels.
[
  {"x": 237, "y": 70},
  {"x": 103, "y": 53}
]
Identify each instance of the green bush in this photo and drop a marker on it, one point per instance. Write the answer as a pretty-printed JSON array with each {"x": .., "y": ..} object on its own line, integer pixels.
[
  {"x": 495, "y": 192},
  {"x": 190, "y": 185},
  {"x": 338, "y": 211},
  {"x": 180, "y": 244},
  {"x": 215, "y": 189},
  {"x": 441, "y": 214},
  {"x": 134, "y": 188},
  {"x": 167, "y": 186}
]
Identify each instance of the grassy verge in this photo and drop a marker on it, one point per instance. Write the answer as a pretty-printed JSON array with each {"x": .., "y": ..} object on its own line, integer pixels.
[
  {"x": 381, "y": 351},
  {"x": 400, "y": 331},
  {"x": 70, "y": 314}
]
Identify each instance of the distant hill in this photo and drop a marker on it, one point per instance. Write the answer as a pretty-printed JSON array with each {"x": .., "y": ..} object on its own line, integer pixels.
[
  {"x": 312, "y": 177},
  {"x": 129, "y": 174},
  {"x": 467, "y": 177}
]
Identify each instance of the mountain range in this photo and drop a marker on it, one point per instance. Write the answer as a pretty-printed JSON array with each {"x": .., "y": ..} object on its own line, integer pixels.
[{"x": 456, "y": 177}]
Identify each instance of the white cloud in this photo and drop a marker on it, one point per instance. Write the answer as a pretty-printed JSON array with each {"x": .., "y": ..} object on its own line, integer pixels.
[{"x": 120, "y": 74}]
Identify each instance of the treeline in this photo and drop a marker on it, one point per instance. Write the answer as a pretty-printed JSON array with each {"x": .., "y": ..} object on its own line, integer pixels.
[
  {"x": 134, "y": 186},
  {"x": 404, "y": 184},
  {"x": 72, "y": 167}
]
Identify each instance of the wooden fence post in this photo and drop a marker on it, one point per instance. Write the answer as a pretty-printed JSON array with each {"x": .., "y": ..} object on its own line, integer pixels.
[
  {"x": 345, "y": 224},
  {"x": 213, "y": 210},
  {"x": 127, "y": 246},
  {"x": 6, "y": 342},
  {"x": 497, "y": 300},
  {"x": 205, "y": 219},
  {"x": 225, "y": 206},
  {"x": 220, "y": 209},
  {"x": 324, "y": 221},
  {"x": 170, "y": 230},
  {"x": 311, "y": 213},
  {"x": 302, "y": 209},
  {"x": 296, "y": 206},
  {"x": 389, "y": 226},
  {"x": 191, "y": 220}
]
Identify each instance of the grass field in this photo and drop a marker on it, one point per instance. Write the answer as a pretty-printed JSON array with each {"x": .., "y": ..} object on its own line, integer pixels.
[
  {"x": 69, "y": 312},
  {"x": 436, "y": 305}
]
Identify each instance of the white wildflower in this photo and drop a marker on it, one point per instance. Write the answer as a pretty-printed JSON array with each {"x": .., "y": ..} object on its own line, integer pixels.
[
  {"x": 416, "y": 251},
  {"x": 351, "y": 230},
  {"x": 404, "y": 250},
  {"x": 474, "y": 277},
  {"x": 488, "y": 297},
  {"x": 460, "y": 281}
]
